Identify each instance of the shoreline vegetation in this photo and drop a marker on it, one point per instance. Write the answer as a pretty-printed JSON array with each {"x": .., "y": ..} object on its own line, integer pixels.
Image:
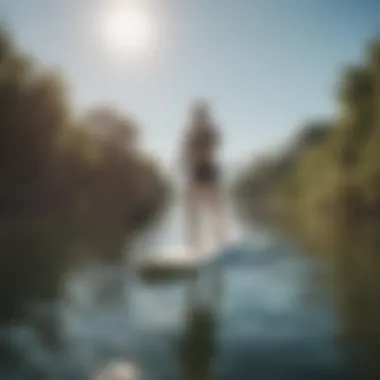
[
  {"x": 323, "y": 191},
  {"x": 72, "y": 190}
]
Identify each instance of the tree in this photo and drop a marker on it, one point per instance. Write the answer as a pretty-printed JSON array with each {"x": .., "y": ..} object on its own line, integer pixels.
[
  {"x": 67, "y": 195},
  {"x": 326, "y": 188}
]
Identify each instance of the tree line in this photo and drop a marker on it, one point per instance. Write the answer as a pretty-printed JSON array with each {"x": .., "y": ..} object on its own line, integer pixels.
[
  {"x": 72, "y": 188},
  {"x": 323, "y": 192}
]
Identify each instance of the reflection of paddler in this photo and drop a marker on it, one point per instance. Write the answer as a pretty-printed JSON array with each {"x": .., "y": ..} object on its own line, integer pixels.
[{"x": 197, "y": 346}]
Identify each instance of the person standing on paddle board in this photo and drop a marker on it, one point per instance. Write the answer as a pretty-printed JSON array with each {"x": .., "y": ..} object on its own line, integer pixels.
[{"x": 200, "y": 160}]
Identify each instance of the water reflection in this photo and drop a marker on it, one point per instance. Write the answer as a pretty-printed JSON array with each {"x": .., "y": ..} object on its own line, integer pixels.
[
  {"x": 247, "y": 320},
  {"x": 197, "y": 346}
]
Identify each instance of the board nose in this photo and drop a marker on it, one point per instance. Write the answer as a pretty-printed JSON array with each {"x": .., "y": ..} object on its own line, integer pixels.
[{"x": 119, "y": 371}]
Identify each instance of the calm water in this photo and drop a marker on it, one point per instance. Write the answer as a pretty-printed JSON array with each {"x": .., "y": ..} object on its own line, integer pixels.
[{"x": 273, "y": 323}]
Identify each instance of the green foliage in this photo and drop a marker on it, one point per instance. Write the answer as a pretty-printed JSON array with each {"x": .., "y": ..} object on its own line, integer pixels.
[
  {"x": 324, "y": 192},
  {"x": 67, "y": 192}
]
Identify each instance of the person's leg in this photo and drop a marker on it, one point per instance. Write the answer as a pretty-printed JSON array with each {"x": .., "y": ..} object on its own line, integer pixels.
[
  {"x": 216, "y": 205},
  {"x": 192, "y": 205}
]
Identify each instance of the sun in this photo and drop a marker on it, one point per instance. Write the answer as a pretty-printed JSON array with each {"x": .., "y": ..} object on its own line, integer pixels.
[{"x": 126, "y": 29}]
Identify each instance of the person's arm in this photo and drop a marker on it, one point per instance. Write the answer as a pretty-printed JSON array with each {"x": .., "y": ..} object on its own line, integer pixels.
[
  {"x": 184, "y": 150},
  {"x": 216, "y": 139},
  {"x": 180, "y": 156}
]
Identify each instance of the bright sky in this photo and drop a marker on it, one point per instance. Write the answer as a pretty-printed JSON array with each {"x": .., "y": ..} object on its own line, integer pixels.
[{"x": 266, "y": 65}]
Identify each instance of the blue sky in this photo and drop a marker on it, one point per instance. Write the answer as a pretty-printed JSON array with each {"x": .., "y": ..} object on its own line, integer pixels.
[{"x": 266, "y": 65}]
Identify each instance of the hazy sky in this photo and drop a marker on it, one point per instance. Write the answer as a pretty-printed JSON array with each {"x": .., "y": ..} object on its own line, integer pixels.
[{"x": 266, "y": 65}]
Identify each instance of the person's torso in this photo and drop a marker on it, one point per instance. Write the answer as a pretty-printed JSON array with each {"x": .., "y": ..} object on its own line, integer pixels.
[{"x": 201, "y": 145}]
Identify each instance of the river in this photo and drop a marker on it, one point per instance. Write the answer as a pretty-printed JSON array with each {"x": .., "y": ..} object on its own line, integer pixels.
[{"x": 273, "y": 322}]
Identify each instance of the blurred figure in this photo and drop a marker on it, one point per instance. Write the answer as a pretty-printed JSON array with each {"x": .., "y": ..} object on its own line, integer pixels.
[{"x": 203, "y": 174}]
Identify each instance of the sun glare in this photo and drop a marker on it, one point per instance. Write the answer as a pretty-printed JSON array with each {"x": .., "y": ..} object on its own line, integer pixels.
[{"x": 127, "y": 30}]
